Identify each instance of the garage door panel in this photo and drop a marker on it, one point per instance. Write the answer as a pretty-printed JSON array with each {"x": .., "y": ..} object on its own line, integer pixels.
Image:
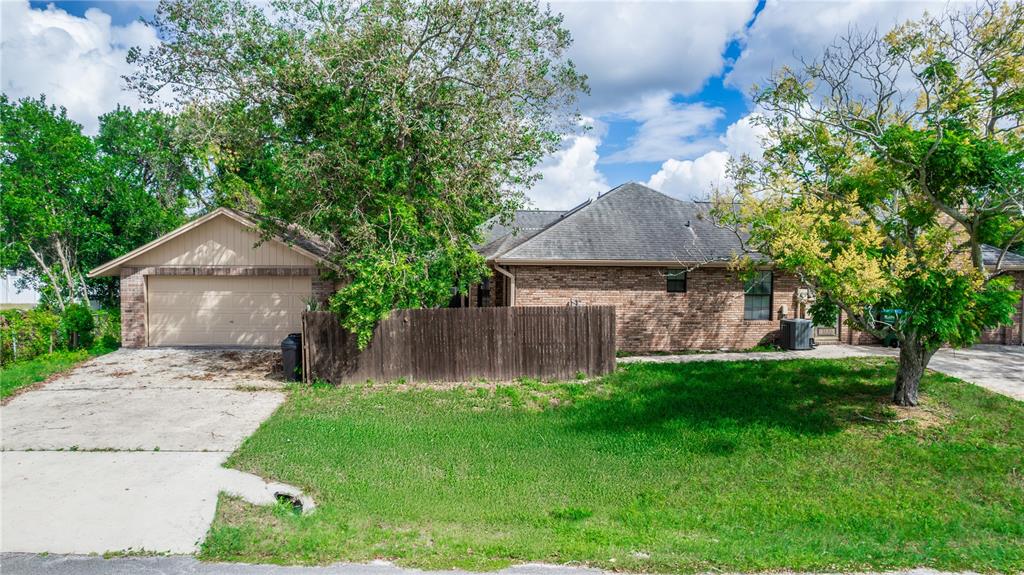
[
  {"x": 219, "y": 302},
  {"x": 210, "y": 310}
]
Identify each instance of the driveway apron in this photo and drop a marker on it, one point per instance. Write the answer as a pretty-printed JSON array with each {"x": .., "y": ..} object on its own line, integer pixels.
[{"x": 126, "y": 451}]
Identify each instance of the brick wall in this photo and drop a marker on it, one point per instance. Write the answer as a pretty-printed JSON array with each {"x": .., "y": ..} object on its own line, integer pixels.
[
  {"x": 133, "y": 308},
  {"x": 322, "y": 292},
  {"x": 709, "y": 315}
]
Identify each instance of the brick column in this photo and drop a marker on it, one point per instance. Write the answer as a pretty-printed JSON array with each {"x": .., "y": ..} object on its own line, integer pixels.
[
  {"x": 322, "y": 292},
  {"x": 133, "y": 308}
]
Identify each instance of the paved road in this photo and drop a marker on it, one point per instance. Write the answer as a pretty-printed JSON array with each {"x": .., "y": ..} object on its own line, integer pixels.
[
  {"x": 999, "y": 368},
  {"x": 17, "y": 564},
  {"x": 125, "y": 452}
]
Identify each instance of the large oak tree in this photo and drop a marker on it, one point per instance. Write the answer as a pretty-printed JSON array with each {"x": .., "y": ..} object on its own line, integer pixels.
[{"x": 389, "y": 129}]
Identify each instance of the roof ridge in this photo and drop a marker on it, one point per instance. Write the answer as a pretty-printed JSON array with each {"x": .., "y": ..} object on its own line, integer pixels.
[
  {"x": 565, "y": 217},
  {"x": 582, "y": 207},
  {"x": 585, "y": 206}
]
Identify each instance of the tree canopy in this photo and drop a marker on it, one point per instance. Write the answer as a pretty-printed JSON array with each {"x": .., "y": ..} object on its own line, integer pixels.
[
  {"x": 390, "y": 130},
  {"x": 71, "y": 202},
  {"x": 891, "y": 161}
]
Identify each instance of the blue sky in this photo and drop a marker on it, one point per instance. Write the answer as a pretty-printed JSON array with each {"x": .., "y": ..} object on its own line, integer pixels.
[{"x": 668, "y": 79}]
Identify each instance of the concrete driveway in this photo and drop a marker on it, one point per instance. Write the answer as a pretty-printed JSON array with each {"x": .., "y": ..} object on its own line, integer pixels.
[
  {"x": 996, "y": 367},
  {"x": 125, "y": 451}
]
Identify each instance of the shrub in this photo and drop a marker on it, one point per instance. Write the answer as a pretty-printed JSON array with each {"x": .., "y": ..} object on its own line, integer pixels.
[
  {"x": 108, "y": 328},
  {"x": 26, "y": 334},
  {"x": 78, "y": 325}
]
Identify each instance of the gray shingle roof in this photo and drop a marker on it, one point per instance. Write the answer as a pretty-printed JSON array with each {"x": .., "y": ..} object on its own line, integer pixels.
[
  {"x": 292, "y": 234},
  {"x": 525, "y": 224},
  {"x": 990, "y": 255},
  {"x": 629, "y": 223}
]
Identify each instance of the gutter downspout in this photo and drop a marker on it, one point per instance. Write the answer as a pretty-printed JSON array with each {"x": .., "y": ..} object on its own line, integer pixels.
[{"x": 512, "y": 283}]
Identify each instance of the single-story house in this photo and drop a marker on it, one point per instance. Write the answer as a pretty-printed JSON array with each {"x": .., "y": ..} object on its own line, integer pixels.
[
  {"x": 213, "y": 282},
  {"x": 664, "y": 265}
]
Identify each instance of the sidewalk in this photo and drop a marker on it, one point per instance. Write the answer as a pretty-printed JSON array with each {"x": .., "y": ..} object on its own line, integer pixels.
[{"x": 836, "y": 351}]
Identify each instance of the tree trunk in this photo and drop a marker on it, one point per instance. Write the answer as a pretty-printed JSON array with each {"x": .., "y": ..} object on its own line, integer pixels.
[
  {"x": 913, "y": 359},
  {"x": 54, "y": 282}
]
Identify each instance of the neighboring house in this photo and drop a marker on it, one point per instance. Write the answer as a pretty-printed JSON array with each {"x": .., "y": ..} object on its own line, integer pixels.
[
  {"x": 663, "y": 264},
  {"x": 13, "y": 298},
  {"x": 212, "y": 282}
]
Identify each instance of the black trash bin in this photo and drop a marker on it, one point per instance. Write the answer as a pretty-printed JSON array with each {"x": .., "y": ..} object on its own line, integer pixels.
[{"x": 291, "y": 356}]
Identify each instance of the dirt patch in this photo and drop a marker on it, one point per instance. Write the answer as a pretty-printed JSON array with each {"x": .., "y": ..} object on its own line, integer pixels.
[
  {"x": 235, "y": 511},
  {"x": 927, "y": 415},
  {"x": 266, "y": 362}
]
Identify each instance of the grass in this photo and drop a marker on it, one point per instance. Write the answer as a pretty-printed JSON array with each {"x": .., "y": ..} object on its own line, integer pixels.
[
  {"x": 19, "y": 375},
  {"x": 741, "y": 466},
  {"x": 761, "y": 347}
]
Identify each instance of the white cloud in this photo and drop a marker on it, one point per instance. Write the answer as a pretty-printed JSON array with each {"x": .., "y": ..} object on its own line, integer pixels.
[
  {"x": 696, "y": 179},
  {"x": 691, "y": 179},
  {"x": 570, "y": 176},
  {"x": 77, "y": 62},
  {"x": 785, "y": 31},
  {"x": 745, "y": 136},
  {"x": 667, "y": 129},
  {"x": 636, "y": 48}
]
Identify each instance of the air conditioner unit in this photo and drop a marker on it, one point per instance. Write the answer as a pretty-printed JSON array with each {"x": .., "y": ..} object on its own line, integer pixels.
[{"x": 796, "y": 333}]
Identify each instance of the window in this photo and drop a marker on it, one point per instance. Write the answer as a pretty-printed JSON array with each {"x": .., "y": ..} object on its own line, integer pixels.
[
  {"x": 675, "y": 281},
  {"x": 757, "y": 297},
  {"x": 483, "y": 293}
]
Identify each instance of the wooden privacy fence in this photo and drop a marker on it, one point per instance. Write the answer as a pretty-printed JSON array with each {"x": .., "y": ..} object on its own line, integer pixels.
[{"x": 462, "y": 344}]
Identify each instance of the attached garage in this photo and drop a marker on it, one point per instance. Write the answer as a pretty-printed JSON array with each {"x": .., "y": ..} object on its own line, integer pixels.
[
  {"x": 212, "y": 310},
  {"x": 213, "y": 282}
]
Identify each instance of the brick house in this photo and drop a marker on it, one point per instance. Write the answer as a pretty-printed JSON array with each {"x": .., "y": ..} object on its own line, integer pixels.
[
  {"x": 215, "y": 281},
  {"x": 664, "y": 265}
]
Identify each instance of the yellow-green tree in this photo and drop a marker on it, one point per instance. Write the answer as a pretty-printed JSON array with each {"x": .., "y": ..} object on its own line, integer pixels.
[{"x": 891, "y": 163}]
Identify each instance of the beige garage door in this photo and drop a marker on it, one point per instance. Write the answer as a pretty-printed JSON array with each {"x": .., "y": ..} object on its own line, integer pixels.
[{"x": 210, "y": 310}]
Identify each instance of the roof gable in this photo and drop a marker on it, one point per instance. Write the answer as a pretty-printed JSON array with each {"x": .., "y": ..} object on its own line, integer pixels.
[
  {"x": 223, "y": 237},
  {"x": 990, "y": 257}
]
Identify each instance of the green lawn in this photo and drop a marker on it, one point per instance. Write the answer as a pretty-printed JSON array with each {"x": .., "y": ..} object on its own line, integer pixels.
[
  {"x": 24, "y": 373},
  {"x": 670, "y": 468}
]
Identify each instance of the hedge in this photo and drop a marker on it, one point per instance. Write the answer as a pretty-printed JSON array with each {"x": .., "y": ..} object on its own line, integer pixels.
[{"x": 27, "y": 334}]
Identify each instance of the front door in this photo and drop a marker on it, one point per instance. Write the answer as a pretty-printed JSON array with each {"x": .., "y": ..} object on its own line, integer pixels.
[{"x": 826, "y": 333}]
